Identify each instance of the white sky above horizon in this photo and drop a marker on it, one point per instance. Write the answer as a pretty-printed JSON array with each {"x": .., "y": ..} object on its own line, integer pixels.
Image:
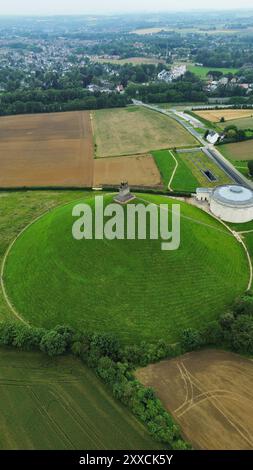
[{"x": 26, "y": 7}]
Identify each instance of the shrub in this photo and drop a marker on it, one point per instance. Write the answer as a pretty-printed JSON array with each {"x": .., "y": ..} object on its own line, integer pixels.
[
  {"x": 53, "y": 344},
  {"x": 107, "y": 370},
  {"x": 106, "y": 345},
  {"x": 250, "y": 167},
  {"x": 81, "y": 343},
  {"x": 27, "y": 338},
  {"x": 226, "y": 321},
  {"x": 191, "y": 339},
  {"x": 66, "y": 332},
  {"x": 244, "y": 305},
  {"x": 242, "y": 335},
  {"x": 133, "y": 354},
  {"x": 212, "y": 334},
  {"x": 7, "y": 333}
]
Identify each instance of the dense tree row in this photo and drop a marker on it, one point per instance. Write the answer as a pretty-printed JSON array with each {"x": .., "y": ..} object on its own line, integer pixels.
[
  {"x": 54, "y": 99},
  {"x": 47, "y": 101},
  {"x": 234, "y": 330},
  {"x": 188, "y": 88}
]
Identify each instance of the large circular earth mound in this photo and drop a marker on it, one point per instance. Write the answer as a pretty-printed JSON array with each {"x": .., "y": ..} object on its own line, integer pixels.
[{"x": 130, "y": 288}]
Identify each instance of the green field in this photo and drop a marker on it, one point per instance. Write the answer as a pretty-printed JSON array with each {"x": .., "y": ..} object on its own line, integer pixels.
[
  {"x": 188, "y": 175},
  {"x": 136, "y": 130},
  {"x": 231, "y": 151},
  {"x": 238, "y": 151},
  {"x": 183, "y": 179},
  {"x": 242, "y": 166},
  {"x": 130, "y": 288},
  {"x": 198, "y": 162},
  {"x": 241, "y": 123},
  {"x": 60, "y": 404},
  {"x": 165, "y": 164},
  {"x": 203, "y": 71}
]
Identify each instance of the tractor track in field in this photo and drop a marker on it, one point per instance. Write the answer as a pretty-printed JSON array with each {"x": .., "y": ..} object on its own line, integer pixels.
[
  {"x": 212, "y": 396},
  {"x": 59, "y": 429}
]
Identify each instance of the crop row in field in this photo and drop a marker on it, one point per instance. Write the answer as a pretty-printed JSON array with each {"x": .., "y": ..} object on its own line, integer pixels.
[{"x": 60, "y": 404}]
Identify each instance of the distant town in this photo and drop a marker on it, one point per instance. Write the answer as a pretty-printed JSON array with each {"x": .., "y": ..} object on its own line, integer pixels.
[{"x": 88, "y": 54}]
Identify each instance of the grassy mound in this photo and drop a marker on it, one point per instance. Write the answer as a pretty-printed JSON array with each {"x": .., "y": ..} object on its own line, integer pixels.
[{"x": 128, "y": 287}]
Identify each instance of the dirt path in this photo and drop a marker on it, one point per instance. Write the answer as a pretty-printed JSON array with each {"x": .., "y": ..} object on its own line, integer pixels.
[{"x": 174, "y": 171}]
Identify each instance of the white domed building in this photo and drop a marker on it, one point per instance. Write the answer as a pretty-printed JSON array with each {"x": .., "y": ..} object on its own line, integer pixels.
[{"x": 231, "y": 203}]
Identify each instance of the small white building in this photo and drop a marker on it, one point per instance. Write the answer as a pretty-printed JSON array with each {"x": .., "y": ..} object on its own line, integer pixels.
[
  {"x": 231, "y": 203},
  {"x": 212, "y": 137},
  {"x": 223, "y": 81}
]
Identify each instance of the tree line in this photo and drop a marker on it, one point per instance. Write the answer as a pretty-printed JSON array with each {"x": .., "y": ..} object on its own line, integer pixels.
[
  {"x": 233, "y": 330},
  {"x": 46, "y": 101},
  {"x": 187, "y": 88}
]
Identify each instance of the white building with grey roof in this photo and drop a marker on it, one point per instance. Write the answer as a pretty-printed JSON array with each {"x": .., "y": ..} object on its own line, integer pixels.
[{"x": 231, "y": 203}]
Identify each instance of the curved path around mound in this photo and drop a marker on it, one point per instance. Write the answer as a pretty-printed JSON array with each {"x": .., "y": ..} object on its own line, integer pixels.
[{"x": 116, "y": 287}]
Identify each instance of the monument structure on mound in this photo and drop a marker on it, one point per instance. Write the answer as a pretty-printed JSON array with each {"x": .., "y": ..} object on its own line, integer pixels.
[{"x": 124, "y": 195}]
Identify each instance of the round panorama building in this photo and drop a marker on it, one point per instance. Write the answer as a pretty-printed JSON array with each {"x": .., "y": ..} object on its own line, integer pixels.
[{"x": 231, "y": 203}]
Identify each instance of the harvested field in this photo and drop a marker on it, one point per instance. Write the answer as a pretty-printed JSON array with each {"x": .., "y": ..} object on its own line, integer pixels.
[
  {"x": 136, "y": 130},
  {"x": 138, "y": 171},
  {"x": 238, "y": 151},
  {"x": 46, "y": 150},
  {"x": 210, "y": 395},
  {"x": 215, "y": 115}
]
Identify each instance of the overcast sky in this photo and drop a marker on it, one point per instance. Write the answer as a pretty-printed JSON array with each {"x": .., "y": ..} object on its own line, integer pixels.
[{"x": 107, "y": 6}]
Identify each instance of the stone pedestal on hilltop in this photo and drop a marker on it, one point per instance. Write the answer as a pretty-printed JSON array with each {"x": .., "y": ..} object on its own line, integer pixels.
[{"x": 124, "y": 195}]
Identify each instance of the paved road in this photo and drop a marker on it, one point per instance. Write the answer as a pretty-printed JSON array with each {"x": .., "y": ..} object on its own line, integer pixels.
[
  {"x": 215, "y": 154},
  {"x": 194, "y": 122},
  {"x": 210, "y": 150}
]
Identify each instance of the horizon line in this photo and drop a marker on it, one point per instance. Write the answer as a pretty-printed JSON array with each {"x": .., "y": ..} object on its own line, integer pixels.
[{"x": 125, "y": 12}]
